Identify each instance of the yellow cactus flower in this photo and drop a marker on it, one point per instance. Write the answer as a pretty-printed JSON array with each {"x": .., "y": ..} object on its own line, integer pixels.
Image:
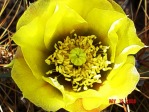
[{"x": 75, "y": 54}]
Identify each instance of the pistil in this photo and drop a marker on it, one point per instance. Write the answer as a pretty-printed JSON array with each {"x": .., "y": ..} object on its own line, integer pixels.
[{"x": 77, "y": 56}]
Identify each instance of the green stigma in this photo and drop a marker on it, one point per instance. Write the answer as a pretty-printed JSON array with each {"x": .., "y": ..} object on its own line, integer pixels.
[
  {"x": 77, "y": 56},
  {"x": 79, "y": 61}
]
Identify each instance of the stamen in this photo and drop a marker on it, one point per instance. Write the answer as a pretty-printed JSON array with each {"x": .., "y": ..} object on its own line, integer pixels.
[{"x": 79, "y": 61}]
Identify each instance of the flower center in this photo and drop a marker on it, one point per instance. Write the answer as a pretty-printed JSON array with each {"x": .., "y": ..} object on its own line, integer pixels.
[{"x": 79, "y": 61}]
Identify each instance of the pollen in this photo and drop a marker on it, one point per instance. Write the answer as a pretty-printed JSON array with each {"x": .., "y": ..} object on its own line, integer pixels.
[{"x": 80, "y": 61}]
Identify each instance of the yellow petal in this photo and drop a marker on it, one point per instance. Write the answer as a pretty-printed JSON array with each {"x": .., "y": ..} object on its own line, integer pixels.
[
  {"x": 100, "y": 22},
  {"x": 47, "y": 7},
  {"x": 37, "y": 91},
  {"x": 77, "y": 106},
  {"x": 54, "y": 83},
  {"x": 96, "y": 101},
  {"x": 35, "y": 59},
  {"x": 123, "y": 77},
  {"x": 30, "y": 39},
  {"x": 40, "y": 8},
  {"x": 123, "y": 83},
  {"x": 84, "y": 7},
  {"x": 63, "y": 21},
  {"x": 123, "y": 40},
  {"x": 31, "y": 35},
  {"x": 116, "y": 6}
]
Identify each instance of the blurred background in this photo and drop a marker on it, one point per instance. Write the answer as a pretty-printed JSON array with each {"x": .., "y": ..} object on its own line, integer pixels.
[{"x": 11, "y": 99}]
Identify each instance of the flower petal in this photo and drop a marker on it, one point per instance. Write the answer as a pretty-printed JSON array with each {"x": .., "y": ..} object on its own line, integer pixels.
[
  {"x": 116, "y": 6},
  {"x": 31, "y": 35},
  {"x": 33, "y": 89},
  {"x": 123, "y": 40},
  {"x": 77, "y": 106},
  {"x": 100, "y": 22},
  {"x": 40, "y": 8},
  {"x": 35, "y": 59},
  {"x": 61, "y": 23},
  {"x": 124, "y": 82},
  {"x": 84, "y": 7},
  {"x": 123, "y": 76},
  {"x": 47, "y": 7},
  {"x": 32, "y": 45}
]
